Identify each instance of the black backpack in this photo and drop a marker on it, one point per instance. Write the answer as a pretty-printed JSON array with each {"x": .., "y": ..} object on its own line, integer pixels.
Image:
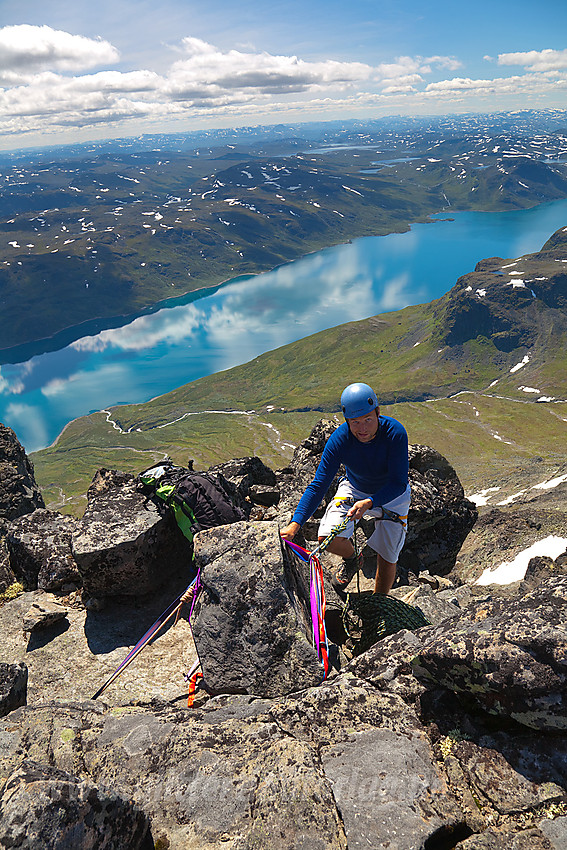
[{"x": 199, "y": 500}]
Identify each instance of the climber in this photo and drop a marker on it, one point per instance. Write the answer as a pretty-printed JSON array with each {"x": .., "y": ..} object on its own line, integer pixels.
[{"x": 374, "y": 451}]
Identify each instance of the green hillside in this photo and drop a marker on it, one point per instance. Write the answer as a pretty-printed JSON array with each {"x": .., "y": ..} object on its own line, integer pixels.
[{"x": 480, "y": 375}]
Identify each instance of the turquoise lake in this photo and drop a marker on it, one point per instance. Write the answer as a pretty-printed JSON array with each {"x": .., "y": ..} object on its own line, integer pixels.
[{"x": 216, "y": 329}]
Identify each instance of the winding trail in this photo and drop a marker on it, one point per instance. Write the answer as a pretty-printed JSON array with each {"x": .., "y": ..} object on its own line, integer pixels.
[{"x": 251, "y": 415}]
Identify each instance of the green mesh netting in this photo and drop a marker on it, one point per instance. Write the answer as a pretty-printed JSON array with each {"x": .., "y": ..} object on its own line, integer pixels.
[{"x": 368, "y": 617}]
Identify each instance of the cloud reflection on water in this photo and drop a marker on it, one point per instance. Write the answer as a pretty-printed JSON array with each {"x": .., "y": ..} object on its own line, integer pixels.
[{"x": 238, "y": 321}]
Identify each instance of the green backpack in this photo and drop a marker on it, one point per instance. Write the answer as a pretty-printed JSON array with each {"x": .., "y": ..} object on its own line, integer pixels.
[{"x": 198, "y": 500}]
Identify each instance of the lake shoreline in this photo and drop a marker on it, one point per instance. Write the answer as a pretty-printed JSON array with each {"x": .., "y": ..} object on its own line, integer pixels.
[
  {"x": 226, "y": 326},
  {"x": 67, "y": 336}
]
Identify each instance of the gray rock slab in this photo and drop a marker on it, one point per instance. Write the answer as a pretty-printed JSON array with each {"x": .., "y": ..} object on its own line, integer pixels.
[
  {"x": 72, "y": 659},
  {"x": 122, "y": 545},
  {"x": 250, "y": 622},
  {"x": 239, "y": 783},
  {"x": 387, "y": 789},
  {"x": 555, "y": 831},
  {"x": 339, "y": 765}
]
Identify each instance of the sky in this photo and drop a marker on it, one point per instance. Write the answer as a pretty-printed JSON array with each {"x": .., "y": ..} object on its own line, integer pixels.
[{"x": 80, "y": 70}]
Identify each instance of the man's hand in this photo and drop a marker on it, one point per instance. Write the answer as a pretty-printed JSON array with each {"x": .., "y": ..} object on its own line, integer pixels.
[
  {"x": 359, "y": 509},
  {"x": 289, "y": 532}
]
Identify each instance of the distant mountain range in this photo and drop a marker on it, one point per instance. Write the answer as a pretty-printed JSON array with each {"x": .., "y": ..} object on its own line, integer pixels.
[
  {"x": 107, "y": 232},
  {"x": 479, "y": 374}
]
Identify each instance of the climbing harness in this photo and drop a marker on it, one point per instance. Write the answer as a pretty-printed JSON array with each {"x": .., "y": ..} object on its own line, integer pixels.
[
  {"x": 387, "y": 514},
  {"x": 393, "y": 517}
]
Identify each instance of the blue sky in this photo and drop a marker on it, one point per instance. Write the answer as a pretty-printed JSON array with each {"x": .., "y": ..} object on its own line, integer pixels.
[{"x": 76, "y": 70}]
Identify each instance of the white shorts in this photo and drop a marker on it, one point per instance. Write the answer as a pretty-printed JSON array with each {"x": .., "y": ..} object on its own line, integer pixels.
[{"x": 388, "y": 536}]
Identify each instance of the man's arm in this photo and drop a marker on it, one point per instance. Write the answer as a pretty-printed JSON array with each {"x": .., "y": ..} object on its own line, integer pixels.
[
  {"x": 314, "y": 492},
  {"x": 290, "y": 530}
]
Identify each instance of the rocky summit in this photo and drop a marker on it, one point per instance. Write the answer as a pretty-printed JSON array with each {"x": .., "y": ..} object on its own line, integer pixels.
[{"x": 448, "y": 736}]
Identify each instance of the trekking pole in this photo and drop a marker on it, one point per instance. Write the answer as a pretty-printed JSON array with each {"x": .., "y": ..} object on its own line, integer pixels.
[{"x": 152, "y": 632}]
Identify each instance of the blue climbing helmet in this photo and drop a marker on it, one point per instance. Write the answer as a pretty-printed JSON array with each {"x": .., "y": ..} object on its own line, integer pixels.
[{"x": 358, "y": 400}]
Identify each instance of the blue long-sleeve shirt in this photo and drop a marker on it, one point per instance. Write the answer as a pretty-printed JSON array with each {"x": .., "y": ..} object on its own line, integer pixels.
[{"x": 378, "y": 468}]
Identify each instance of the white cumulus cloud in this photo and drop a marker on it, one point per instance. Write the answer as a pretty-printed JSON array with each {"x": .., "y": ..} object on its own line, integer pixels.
[
  {"x": 48, "y": 85},
  {"x": 26, "y": 49},
  {"x": 536, "y": 60},
  {"x": 207, "y": 68}
]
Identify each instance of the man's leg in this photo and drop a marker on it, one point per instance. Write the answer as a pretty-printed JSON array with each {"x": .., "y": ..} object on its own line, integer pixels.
[
  {"x": 385, "y": 575},
  {"x": 340, "y": 546}
]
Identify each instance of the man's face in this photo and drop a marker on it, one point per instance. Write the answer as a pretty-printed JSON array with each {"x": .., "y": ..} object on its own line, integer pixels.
[{"x": 364, "y": 428}]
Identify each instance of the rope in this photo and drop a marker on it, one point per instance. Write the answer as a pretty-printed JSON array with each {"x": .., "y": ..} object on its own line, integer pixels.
[
  {"x": 191, "y": 678},
  {"x": 355, "y": 545},
  {"x": 317, "y": 591},
  {"x": 368, "y": 617},
  {"x": 341, "y": 526}
]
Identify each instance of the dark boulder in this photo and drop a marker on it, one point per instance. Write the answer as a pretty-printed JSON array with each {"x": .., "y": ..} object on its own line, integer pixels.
[
  {"x": 13, "y": 687},
  {"x": 43, "y": 806},
  {"x": 7, "y": 576},
  {"x": 263, "y": 494},
  {"x": 122, "y": 545},
  {"x": 440, "y": 517},
  {"x": 40, "y": 550},
  {"x": 245, "y": 472},
  {"x": 510, "y": 657},
  {"x": 19, "y": 493},
  {"x": 250, "y": 623}
]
